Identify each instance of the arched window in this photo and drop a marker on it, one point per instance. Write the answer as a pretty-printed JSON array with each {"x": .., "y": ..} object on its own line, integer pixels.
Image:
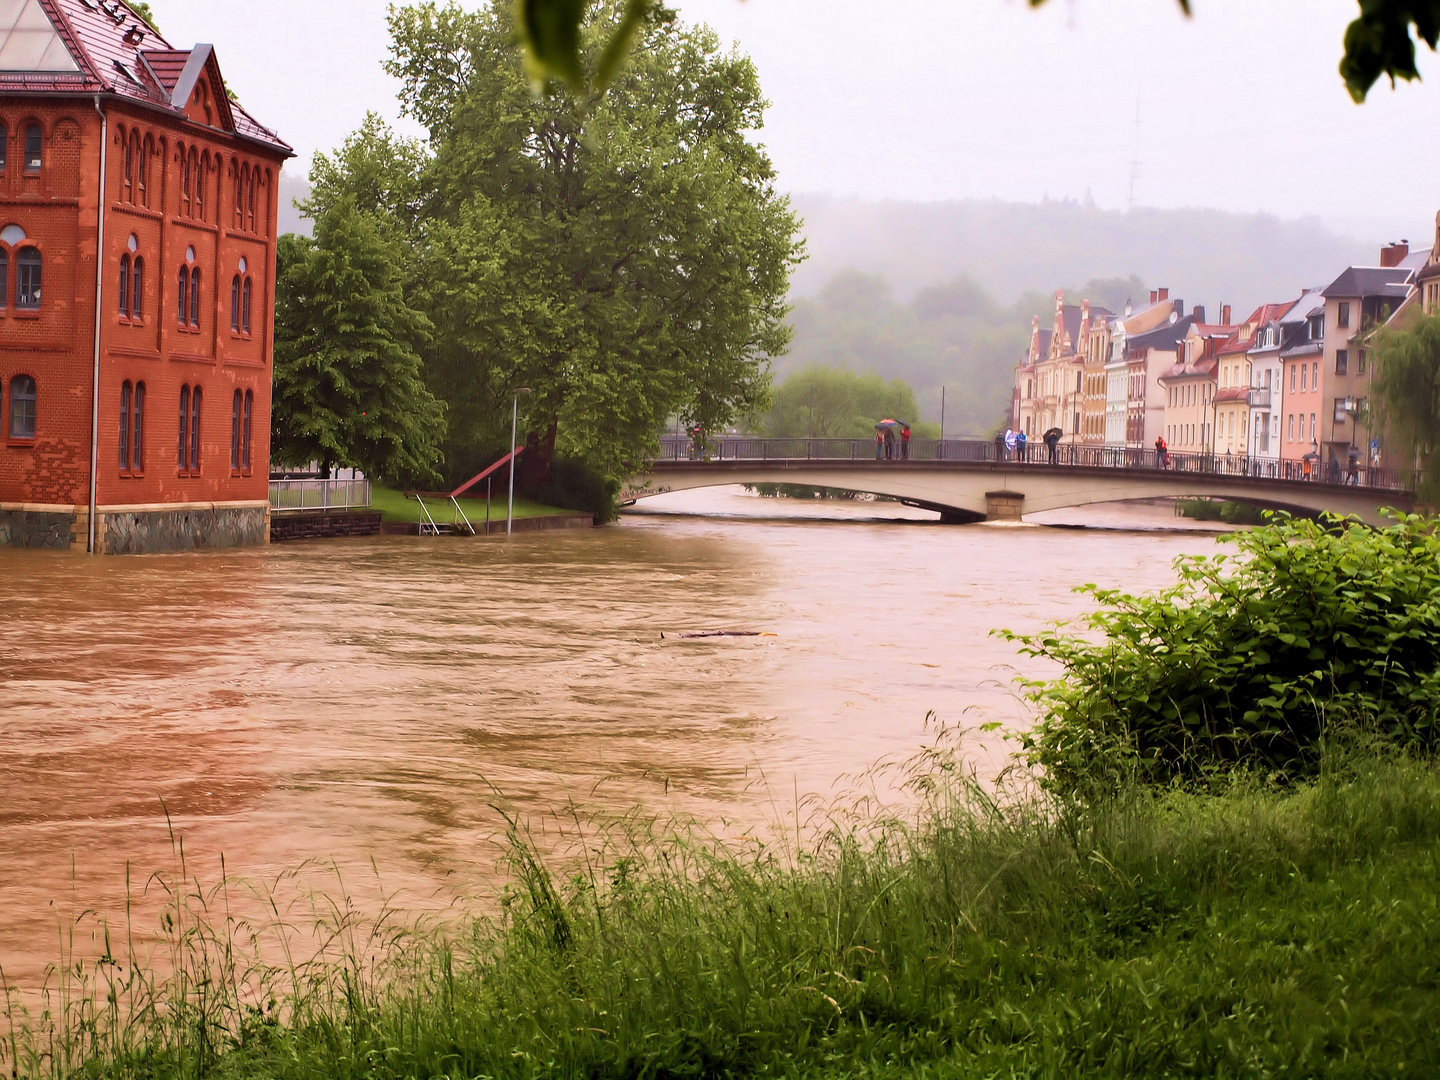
[
  {"x": 245, "y": 307},
  {"x": 4, "y": 278},
  {"x": 184, "y": 183},
  {"x": 195, "y": 430},
  {"x": 184, "y": 427},
  {"x": 235, "y": 304},
  {"x": 127, "y": 176},
  {"x": 125, "y": 393},
  {"x": 254, "y": 184},
  {"x": 195, "y": 296},
  {"x": 142, "y": 158},
  {"x": 240, "y": 174},
  {"x": 245, "y": 430},
  {"x": 183, "y": 283},
  {"x": 197, "y": 180},
  {"x": 235, "y": 407},
  {"x": 125, "y": 287},
  {"x": 34, "y": 158},
  {"x": 137, "y": 441},
  {"x": 137, "y": 277},
  {"x": 22, "y": 407},
  {"x": 201, "y": 167},
  {"x": 4, "y": 145},
  {"x": 27, "y": 278}
]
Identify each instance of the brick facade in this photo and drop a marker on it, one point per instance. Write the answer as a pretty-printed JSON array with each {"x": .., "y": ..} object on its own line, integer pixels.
[{"x": 188, "y": 189}]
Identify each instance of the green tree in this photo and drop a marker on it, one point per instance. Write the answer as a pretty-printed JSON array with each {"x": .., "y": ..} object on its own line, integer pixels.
[
  {"x": 1378, "y": 43},
  {"x": 1407, "y": 396},
  {"x": 627, "y": 258},
  {"x": 142, "y": 9},
  {"x": 349, "y": 382},
  {"x": 832, "y": 403}
]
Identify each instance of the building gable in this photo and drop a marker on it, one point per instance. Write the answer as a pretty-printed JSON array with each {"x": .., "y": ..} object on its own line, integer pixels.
[
  {"x": 30, "y": 41},
  {"x": 200, "y": 91}
]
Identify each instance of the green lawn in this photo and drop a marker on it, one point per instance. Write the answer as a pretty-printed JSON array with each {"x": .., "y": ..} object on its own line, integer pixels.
[{"x": 397, "y": 507}]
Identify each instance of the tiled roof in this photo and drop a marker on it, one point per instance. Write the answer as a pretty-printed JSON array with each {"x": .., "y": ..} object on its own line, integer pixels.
[
  {"x": 1362, "y": 281},
  {"x": 114, "y": 52},
  {"x": 1167, "y": 336},
  {"x": 1233, "y": 393}
]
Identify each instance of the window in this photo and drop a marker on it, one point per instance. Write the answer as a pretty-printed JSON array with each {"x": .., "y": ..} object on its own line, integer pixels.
[
  {"x": 245, "y": 430},
  {"x": 1315, "y": 376},
  {"x": 22, "y": 407},
  {"x": 137, "y": 281},
  {"x": 1304, "y": 371},
  {"x": 235, "y": 303},
  {"x": 137, "y": 441},
  {"x": 127, "y": 173},
  {"x": 183, "y": 285},
  {"x": 140, "y": 162},
  {"x": 235, "y": 407},
  {"x": 195, "y": 431},
  {"x": 184, "y": 183},
  {"x": 27, "y": 278},
  {"x": 195, "y": 297},
  {"x": 4, "y": 145},
  {"x": 1290, "y": 436},
  {"x": 184, "y": 427},
  {"x": 1316, "y": 327},
  {"x": 125, "y": 393},
  {"x": 125, "y": 287},
  {"x": 33, "y": 157},
  {"x": 1292, "y": 378},
  {"x": 1341, "y": 415},
  {"x": 200, "y": 165},
  {"x": 1312, "y": 427},
  {"x": 245, "y": 307},
  {"x": 1342, "y": 315},
  {"x": 1362, "y": 362},
  {"x": 1342, "y": 360},
  {"x": 4, "y": 278}
]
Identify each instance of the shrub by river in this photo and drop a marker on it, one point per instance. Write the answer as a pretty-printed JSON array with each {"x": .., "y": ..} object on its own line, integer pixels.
[{"x": 1209, "y": 863}]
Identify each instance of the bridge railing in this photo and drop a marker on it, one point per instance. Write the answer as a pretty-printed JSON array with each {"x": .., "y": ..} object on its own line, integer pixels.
[
  {"x": 319, "y": 494},
  {"x": 743, "y": 448}
]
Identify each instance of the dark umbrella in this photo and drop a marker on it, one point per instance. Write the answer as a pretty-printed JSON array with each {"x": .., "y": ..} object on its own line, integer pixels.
[{"x": 1055, "y": 431}]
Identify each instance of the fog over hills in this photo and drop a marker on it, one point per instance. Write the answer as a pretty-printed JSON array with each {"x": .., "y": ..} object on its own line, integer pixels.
[{"x": 941, "y": 293}]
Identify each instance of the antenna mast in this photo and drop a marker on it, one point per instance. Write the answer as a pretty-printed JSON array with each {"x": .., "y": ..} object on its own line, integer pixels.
[{"x": 1135, "y": 162}]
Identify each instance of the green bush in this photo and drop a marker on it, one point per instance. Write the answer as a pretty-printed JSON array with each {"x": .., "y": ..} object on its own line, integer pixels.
[
  {"x": 576, "y": 486},
  {"x": 1227, "y": 510},
  {"x": 1248, "y": 660}
]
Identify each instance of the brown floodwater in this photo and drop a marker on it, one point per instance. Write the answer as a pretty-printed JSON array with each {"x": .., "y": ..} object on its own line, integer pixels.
[{"x": 365, "y": 705}]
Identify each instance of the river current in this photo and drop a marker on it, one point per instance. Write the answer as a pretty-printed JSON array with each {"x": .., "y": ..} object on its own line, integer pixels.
[{"x": 366, "y": 705}]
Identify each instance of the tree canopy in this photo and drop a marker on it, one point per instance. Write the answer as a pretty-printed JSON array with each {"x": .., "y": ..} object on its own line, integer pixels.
[
  {"x": 1378, "y": 43},
  {"x": 349, "y": 384},
  {"x": 624, "y": 258},
  {"x": 1407, "y": 391},
  {"x": 832, "y": 403}
]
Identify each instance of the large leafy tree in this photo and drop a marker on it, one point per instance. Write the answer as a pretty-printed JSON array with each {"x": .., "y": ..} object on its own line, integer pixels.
[
  {"x": 1407, "y": 391},
  {"x": 625, "y": 257},
  {"x": 349, "y": 381},
  {"x": 1378, "y": 43}
]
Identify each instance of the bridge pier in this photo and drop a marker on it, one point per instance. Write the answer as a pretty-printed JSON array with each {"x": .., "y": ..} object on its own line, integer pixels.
[{"x": 1004, "y": 505}]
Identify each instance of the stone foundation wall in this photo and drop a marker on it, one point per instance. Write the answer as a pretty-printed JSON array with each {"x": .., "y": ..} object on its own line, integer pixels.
[
  {"x": 142, "y": 532},
  {"x": 38, "y": 528}
]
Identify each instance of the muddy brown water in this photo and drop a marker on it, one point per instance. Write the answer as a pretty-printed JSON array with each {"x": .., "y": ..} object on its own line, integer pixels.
[{"x": 363, "y": 705}]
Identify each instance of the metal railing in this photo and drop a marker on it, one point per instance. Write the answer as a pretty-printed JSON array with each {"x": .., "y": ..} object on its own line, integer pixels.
[
  {"x": 1036, "y": 454},
  {"x": 286, "y": 495}
]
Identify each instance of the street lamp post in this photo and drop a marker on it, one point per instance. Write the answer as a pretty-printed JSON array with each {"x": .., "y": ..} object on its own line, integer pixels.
[{"x": 514, "y": 432}]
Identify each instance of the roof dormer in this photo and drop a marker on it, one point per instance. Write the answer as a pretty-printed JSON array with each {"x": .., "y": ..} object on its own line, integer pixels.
[{"x": 29, "y": 41}]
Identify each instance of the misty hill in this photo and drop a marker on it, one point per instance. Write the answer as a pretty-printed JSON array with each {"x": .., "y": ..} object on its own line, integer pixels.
[{"x": 1206, "y": 256}]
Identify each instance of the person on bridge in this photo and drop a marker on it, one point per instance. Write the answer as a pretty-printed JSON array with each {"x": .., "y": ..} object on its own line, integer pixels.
[
  {"x": 1162, "y": 453},
  {"x": 999, "y": 446},
  {"x": 905, "y": 443},
  {"x": 1052, "y": 443},
  {"x": 1020, "y": 441},
  {"x": 1009, "y": 443},
  {"x": 1352, "y": 467},
  {"x": 879, "y": 444}
]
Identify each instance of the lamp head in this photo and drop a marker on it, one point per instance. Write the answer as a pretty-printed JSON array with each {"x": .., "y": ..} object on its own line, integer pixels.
[{"x": 523, "y": 391}]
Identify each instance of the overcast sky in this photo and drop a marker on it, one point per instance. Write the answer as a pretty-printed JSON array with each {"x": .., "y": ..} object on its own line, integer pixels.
[{"x": 1240, "y": 107}]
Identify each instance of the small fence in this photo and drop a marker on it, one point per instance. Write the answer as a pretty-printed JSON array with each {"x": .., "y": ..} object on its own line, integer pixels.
[
  {"x": 296, "y": 495},
  {"x": 733, "y": 448}
]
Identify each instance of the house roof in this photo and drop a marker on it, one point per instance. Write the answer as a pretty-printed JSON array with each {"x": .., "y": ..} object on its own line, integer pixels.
[
  {"x": 101, "y": 46},
  {"x": 1233, "y": 393},
  {"x": 1259, "y": 318},
  {"x": 1201, "y": 369},
  {"x": 1163, "y": 337},
  {"x": 1363, "y": 281}
]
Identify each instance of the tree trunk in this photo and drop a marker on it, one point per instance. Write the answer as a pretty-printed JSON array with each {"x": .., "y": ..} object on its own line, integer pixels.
[{"x": 539, "y": 453}]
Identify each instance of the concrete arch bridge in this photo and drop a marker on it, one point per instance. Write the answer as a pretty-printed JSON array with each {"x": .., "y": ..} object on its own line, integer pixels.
[{"x": 970, "y": 480}]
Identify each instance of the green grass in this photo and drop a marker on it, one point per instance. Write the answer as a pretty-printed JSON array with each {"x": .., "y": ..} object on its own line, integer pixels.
[
  {"x": 397, "y": 507},
  {"x": 1251, "y": 933}
]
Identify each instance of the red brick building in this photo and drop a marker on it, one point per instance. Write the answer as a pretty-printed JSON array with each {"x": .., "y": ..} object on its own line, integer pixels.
[{"x": 134, "y": 387}]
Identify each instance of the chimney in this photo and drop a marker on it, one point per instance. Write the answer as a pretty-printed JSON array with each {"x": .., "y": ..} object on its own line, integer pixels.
[
  {"x": 1154, "y": 297},
  {"x": 1199, "y": 313},
  {"x": 1179, "y": 309},
  {"x": 1394, "y": 254},
  {"x": 1164, "y": 294},
  {"x": 1224, "y": 314}
]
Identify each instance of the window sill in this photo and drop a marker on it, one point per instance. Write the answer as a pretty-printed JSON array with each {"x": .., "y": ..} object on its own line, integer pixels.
[
  {"x": 21, "y": 444},
  {"x": 28, "y": 313}
]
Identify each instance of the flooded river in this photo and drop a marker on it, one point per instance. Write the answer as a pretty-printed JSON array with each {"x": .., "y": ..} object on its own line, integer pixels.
[{"x": 367, "y": 703}]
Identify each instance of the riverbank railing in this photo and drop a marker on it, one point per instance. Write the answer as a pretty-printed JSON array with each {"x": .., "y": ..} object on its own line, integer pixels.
[
  {"x": 744, "y": 448},
  {"x": 288, "y": 495}
]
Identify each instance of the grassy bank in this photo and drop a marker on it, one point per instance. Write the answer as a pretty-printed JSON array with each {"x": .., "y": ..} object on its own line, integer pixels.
[
  {"x": 1249, "y": 932},
  {"x": 397, "y": 507}
]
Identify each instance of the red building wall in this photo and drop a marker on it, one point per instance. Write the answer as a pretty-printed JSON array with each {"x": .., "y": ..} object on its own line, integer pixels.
[{"x": 56, "y": 207}]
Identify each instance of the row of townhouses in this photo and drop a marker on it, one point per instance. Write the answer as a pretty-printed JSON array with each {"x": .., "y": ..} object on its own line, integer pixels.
[{"x": 1288, "y": 380}]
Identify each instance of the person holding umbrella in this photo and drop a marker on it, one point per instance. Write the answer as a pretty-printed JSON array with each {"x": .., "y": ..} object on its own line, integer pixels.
[{"x": 1052, "y": 443}]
